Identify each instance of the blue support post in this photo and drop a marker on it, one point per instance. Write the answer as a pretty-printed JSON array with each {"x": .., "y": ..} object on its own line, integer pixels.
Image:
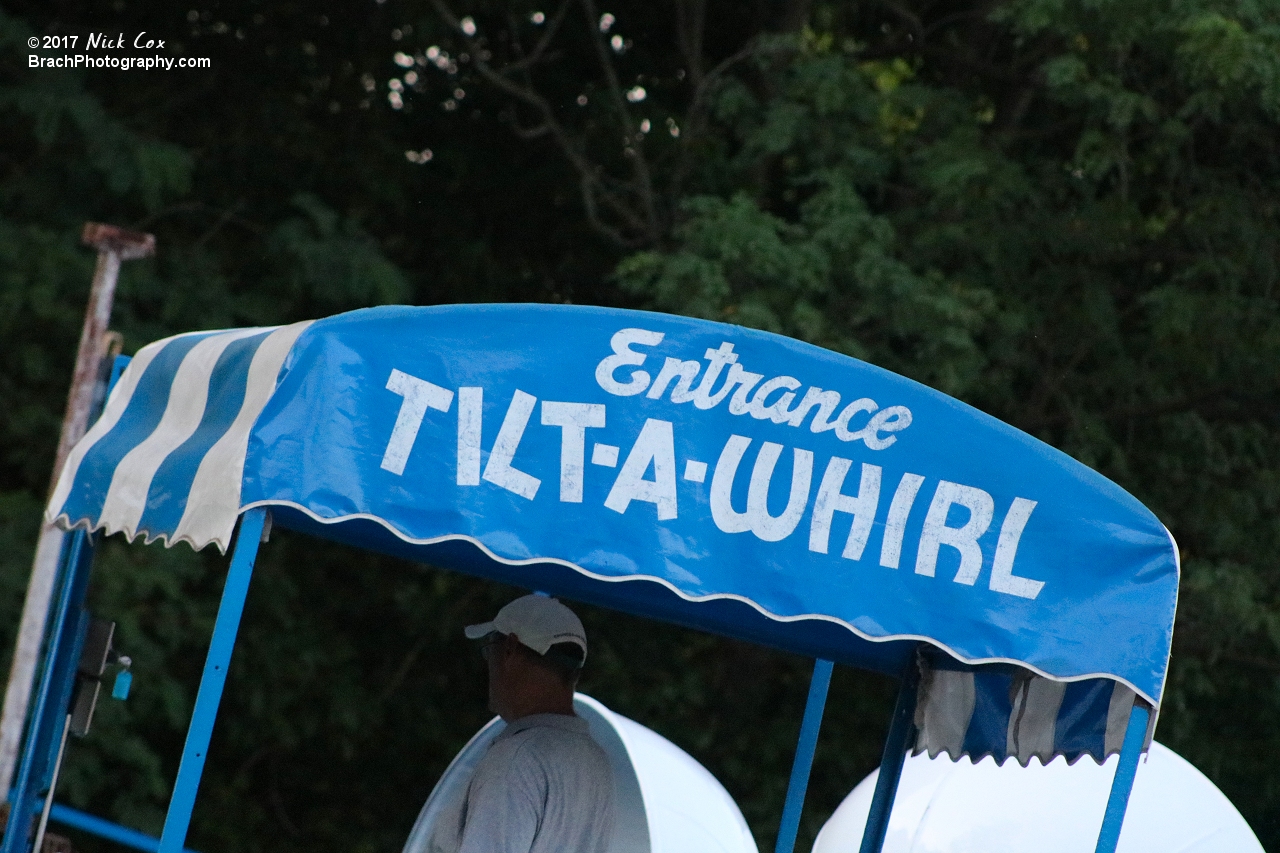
[
  {"x": 53, "y": 693},
  {"x": 1135, "y": 735},
  {"x": 209, "y": 695},
  {"x": 114, "y": 832},
  {"x": 803, "y": 763},
  {"x": 901, "y": 731},
  {"x": 64, "y": 633},
  {"x": 63, "y": 690}
]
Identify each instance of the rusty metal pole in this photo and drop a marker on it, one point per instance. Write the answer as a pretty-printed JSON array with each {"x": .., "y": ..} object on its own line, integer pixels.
[{"x": 114, "y": 245}]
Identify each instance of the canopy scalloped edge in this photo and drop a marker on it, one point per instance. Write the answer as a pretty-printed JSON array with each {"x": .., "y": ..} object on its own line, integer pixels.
[
  {"x": 104, "y": 527},
  {"x": 1072, "y": 759},
  {"x": 725, "y": 596},
  {"x": 63, "y": 521}
]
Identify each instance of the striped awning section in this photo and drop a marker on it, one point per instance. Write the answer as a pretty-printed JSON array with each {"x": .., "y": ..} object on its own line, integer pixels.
[
  {"x": 1009, "y": 712},
  {"x": 166, "y": 459}
]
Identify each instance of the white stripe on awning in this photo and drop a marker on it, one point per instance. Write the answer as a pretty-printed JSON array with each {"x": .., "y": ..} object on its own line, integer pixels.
[
  {"x": 116, "y": 404},
  {"x": 214, "y": 501},
  {"x": 1033, "y": 723},
  {"x": 1118, "y": 717},
  {"x": 944, "y": 710},
  {"x": 127, "y": 496}
]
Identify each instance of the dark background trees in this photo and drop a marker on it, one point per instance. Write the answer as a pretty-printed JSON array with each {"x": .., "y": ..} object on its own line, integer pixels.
[{"x": 1064, "y": 213}]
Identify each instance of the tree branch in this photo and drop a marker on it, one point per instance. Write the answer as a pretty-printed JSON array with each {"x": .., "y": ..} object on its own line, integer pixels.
[
  {"x": 691, "y": 16},
  {"x": 643, "y": 224},
  {"x": 531, "y": 59},
  {"x": 698, "y": 114},
  {"x": 643, "y": 180},
  {"x": 911, "y": 19},
  {"x": 535, "y": 132}
]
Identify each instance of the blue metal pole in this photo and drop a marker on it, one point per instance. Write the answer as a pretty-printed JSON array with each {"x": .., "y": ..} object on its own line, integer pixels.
[
  {"x": 1134, "y": 737},
  {"x": 64, "y": 633},
  {"x": 53, "y": 693},
  {"x": 209, "y": 695},
  {"x": 94, "y": 825},
  {"x": 803, "y": 763},
  {"x": 61, "y": 693},
  {"x": 901, "y": 730}
]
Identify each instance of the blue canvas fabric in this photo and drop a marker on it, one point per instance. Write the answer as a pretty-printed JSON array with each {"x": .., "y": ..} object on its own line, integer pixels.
[{"x": 707, "y": 474}]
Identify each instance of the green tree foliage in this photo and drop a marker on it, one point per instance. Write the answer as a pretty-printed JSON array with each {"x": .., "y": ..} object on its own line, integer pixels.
[{"x": 1061, "y": 211}]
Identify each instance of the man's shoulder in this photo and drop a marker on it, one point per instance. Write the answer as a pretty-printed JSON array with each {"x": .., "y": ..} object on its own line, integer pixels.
[
  {"x": 549, "y": 729},
  {"x": 552, "y": 741}
]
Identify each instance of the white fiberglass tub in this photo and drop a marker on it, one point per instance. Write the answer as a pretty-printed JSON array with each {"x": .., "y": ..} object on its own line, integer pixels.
[
  {"x": 961, "y": 807},
  {"x": 666, "y": 801}
]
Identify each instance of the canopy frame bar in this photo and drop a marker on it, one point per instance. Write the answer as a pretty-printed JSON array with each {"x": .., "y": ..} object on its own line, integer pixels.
[
  {"x": 53, "y": 698},
  {"x": 1135, "y": 735},
  {"x": 902, "y": 730},
  {"x": 209, "y": 696},
  {"x": 806, "y": 746}
]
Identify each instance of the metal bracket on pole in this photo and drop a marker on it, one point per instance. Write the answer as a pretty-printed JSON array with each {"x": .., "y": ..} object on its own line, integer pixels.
[
  {"x": 901, "y": 731},
  {"x": 114, "y": 245},
  {"x": 805, "y": 749},
  {"x": 1135, "y": 735},
  {"x": 209, "y": 695}
]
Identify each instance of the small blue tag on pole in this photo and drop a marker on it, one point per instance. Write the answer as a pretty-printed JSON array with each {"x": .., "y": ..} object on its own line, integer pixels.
[{"x": 120, "y": 689}]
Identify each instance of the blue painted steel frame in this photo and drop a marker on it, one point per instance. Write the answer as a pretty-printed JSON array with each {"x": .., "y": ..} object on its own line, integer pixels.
[
  {"x": 114, "y": 832},
  {"x": 1135, "y": 735},
  {"x": 53, "y": 694},
  {"x": 209, "y": 696},
  {"x": 803, "y": 763},
  {"x": 65, "y": 640},
  {"x": 901, "y": 732}
]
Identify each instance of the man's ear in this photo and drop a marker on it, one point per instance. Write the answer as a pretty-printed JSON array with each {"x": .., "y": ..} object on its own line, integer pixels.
[{"x": 510, "y": 645}]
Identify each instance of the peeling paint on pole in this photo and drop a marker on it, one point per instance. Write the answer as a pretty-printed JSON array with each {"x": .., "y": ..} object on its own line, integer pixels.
[{"x": 114, "y": 245}]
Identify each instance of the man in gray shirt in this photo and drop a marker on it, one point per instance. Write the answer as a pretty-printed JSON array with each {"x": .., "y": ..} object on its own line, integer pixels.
[{"x": 544, "y": 786}]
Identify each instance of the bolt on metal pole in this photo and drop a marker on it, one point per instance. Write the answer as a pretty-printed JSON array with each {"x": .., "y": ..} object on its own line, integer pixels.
[{"x": 114, "y": 245}]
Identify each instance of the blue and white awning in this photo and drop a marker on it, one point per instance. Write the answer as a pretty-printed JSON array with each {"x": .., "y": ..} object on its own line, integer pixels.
[
  {"x": 705, "y": 474},
  {"x": 166, "y": 458},
  {"x": 1007, "y": 712}
]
